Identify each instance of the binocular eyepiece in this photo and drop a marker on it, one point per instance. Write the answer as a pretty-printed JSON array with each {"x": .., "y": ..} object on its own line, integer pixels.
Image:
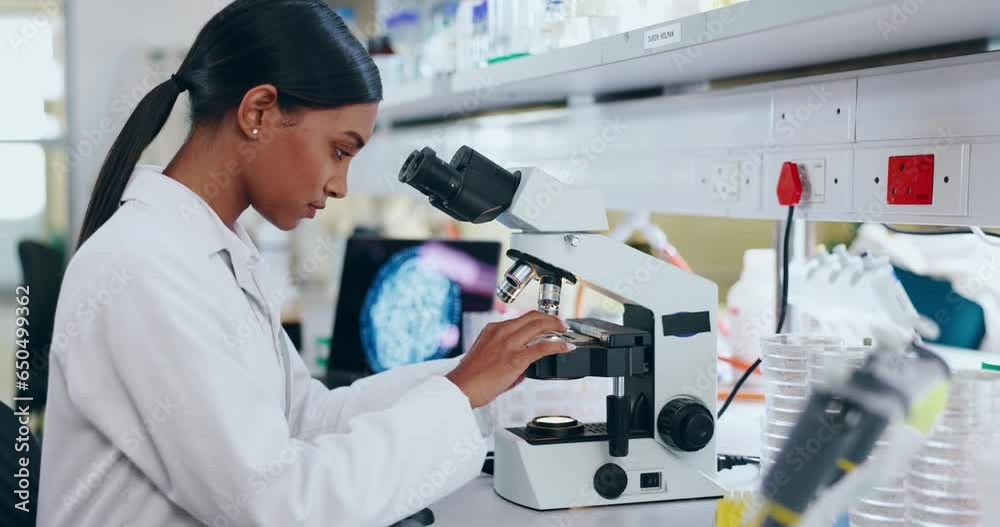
[{"x": 472, "y": 188}]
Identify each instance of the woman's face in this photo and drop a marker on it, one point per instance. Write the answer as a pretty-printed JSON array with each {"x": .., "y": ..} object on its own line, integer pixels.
[{"x": 298, "y": 161}]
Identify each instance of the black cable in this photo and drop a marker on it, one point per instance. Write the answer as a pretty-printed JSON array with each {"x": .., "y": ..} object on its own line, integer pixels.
[
  {"x": 728, "y": 461},
  {"x": 942, "y": 232},
  {"x": 784, "y": 272},
  {"x": 488, "y": 463},
  {"x": 781, "y": 316}
]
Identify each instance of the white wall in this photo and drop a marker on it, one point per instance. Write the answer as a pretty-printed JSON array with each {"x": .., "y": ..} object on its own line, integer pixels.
[{"x": 106, "y": 45}]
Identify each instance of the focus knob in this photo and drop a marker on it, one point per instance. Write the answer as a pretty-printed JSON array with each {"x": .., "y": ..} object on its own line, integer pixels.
[
  {"x": 686, "y": 424},
  {"x": 610, "y": 481}
]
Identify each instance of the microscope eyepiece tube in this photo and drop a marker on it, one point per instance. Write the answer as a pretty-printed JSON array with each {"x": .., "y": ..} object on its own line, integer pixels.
[
  {"x": 549, "y": 293},
  {"x": 514, "y": 281},
  {"x": 471, "y": 188}
]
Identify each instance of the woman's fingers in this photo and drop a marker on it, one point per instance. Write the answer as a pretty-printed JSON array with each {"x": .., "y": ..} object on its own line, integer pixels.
[
  {"x": 536, "y": 328},
  {"x": 500, "y": 356},
  {"x": 520, "y": 326},
  {"x": 546, "y": 348}
]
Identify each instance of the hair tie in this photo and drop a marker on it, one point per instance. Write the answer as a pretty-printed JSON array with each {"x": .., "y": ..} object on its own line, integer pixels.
[{"x": 182, "y": 84}]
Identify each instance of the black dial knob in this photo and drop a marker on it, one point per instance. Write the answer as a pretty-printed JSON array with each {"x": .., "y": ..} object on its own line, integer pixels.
[
  {"x": 686, "y": 424},
  {"x": 610, "y": 481}
]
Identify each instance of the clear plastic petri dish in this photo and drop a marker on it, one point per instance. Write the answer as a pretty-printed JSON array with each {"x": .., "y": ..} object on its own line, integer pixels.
[
  {"x": 791, "y": 346},
  {"x": 779, "y": 428},
  {"x": 917, "y": 514},
  {"x": 785, "y": 401},
  {"x": 940, "y": 481},
  {"x": 880, "y": 508},
  {"x": 861, "y": 519},
  {"x": 780, "y": 414},
  {"x": 944, "y": 499},
  {"x": 785, "y": 375},
  {"x": 788, "y": 389}
]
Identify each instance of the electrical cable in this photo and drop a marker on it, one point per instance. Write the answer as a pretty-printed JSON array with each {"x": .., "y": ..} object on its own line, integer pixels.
[
  {"x": 488, "y": 463},
  {"x": 985, "y": 236},
  {"x": 728, "y": 461},
  {"x": 944, "y": 232},
  {"x": 781, "y": 317}
]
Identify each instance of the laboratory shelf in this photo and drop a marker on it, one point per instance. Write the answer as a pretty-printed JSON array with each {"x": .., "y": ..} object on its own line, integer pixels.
[{"x": 749, "y": 38}]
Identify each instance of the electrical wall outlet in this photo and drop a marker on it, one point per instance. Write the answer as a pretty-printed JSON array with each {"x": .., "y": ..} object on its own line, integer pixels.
[
  {"x": 726, "y": 181},
  {"x": 927, "y": 180},
  {"x": 813, "y": 175},
  {"x": 911, "y": 180},
  {"x": 825, "y": 174}
]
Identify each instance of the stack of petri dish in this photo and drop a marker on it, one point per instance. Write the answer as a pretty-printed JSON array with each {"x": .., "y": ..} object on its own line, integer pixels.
[
  {"x": 835, "y": 362},
  {"x": 941, "y": 485},
  {"x": 883, "y": 506},
  {"x": 785, "y": 363}
]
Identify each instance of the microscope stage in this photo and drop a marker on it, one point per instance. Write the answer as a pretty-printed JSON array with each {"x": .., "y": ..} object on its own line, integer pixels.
[{"x": 590, "y": 432}]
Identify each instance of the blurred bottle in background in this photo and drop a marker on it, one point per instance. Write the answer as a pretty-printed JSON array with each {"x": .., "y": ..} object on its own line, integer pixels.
[
  {"x": 552, "y": 26},
  {"x": 751, "y": 303},
  {"x": 465, "y": 35},
  {"x": 440, "y": 48},
  {"x": 600, "y": 16},
  {"x": 380, "y": 48},
  {"x": 438, "y": 37},
  {"x": 406, "y": 36},
  {"x": 513, "y": 27},
  {"x": 480, "y": 34}
]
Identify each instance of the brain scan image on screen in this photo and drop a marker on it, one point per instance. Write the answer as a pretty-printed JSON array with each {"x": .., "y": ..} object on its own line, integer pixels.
[{"x": 411, "y": 312}]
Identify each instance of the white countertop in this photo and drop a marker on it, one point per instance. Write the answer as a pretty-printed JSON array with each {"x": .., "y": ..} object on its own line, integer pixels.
[{"x": 477, "y": 504}]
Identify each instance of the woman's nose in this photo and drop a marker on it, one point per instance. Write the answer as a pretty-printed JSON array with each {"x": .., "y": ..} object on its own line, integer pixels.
[{"x": 336, "y": 188}]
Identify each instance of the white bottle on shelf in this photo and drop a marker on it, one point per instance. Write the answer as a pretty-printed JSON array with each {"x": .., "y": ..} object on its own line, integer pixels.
[
  {"x": 751, "y": 303},
  {"x": 465, "y": 36}
]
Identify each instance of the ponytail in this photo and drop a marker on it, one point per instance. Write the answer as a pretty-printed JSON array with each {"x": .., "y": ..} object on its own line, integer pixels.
[{"x": 141, "y": 128}]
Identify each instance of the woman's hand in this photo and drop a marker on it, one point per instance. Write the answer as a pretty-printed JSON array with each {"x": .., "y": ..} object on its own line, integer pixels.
[{"x": 499, "y": 357}]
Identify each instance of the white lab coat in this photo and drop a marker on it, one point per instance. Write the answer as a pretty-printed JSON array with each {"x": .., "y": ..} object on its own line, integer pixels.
[{"x": 176, "y": 399}]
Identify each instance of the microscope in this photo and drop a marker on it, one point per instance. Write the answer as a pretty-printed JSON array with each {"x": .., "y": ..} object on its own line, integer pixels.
[{"x": 658, "y": 443}]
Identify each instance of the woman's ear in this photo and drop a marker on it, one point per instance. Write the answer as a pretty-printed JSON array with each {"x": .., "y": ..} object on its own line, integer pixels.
[{"x": 258, "y": 110}]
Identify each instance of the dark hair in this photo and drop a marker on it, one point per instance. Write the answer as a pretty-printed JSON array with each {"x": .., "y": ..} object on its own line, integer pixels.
[{"x": 301, "y": 47}]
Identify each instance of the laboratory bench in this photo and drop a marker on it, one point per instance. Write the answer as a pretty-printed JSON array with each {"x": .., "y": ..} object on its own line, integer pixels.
[
  {"x": 477, "y": 504},
  {"x": 739, "y": 433}
]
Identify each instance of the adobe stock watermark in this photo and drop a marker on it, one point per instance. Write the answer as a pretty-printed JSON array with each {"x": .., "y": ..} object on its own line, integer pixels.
[
  {"x": 33, "y": 25},
  {"x": 466, "y": 105},
  {"x": 129, "y": 442},
  {"x": 714, "y": 30},
  {"x": 899, "y": 15},
  {"x": 580, "y": 162},
  {"x": 93, "y": 140},
  {"x": 463, "y": 450},
  {"x": 789, "y": 123},
  {"x": 231, "y": 510},
  {"x": 221, "y": 179},
  {"x": 87, "y": 310}
]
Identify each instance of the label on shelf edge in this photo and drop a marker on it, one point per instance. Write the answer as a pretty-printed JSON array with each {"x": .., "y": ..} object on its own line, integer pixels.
[{"x": 662, "y": 36}]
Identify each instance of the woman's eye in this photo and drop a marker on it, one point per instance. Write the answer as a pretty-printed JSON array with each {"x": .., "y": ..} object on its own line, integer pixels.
[{"x": 340, "y": 153}]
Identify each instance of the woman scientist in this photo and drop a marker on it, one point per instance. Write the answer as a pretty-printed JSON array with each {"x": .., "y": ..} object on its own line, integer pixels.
[{"x": 175, "y": 398}]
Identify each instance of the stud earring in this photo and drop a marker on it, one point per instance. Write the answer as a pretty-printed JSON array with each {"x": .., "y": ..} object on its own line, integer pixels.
[{"x": 255, "y": 131}]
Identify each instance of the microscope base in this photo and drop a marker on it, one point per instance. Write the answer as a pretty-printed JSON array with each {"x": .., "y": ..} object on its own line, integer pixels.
[{"x": 561, "y": 476}]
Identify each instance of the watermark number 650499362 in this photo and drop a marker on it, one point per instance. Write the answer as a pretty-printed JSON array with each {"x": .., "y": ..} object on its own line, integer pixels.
[{"x": 22, "y": 405}]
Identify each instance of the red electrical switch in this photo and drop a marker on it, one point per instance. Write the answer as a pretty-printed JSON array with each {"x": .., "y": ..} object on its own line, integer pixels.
[
  {"x": 911, "y": 180},
  {"x": 790, "y": 185}
]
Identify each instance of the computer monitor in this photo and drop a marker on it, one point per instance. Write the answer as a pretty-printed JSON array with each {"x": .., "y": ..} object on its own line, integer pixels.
[{"x": 401, "y": 301}]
